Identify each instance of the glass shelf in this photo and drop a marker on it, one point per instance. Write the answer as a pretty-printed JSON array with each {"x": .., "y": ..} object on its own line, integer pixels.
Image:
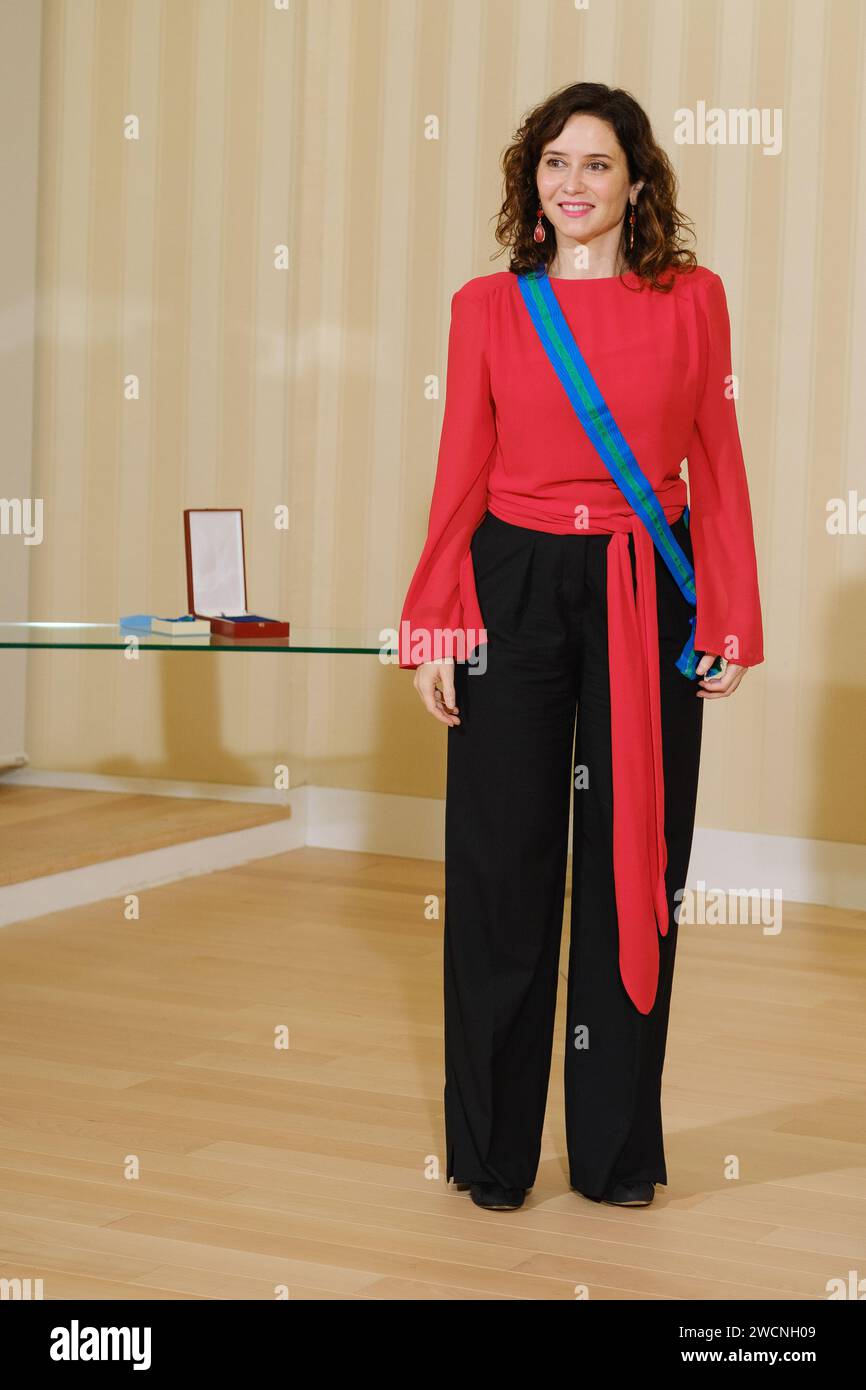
[{"x": 110, "y": 636}]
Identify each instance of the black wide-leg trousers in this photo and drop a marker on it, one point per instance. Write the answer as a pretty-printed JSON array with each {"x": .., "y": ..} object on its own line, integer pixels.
[{"x": 535, "y": 730}]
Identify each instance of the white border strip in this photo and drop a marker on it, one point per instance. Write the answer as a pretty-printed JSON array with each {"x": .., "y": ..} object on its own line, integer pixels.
[
  {"x": 145, "y": 786},
  {"x": 113, "y": 878}
]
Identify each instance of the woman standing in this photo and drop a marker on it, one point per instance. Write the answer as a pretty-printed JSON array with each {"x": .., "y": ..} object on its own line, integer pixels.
[{"x": 568, "y": 606}]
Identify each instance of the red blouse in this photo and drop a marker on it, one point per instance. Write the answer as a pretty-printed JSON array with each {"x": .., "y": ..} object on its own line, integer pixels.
[{"x": 512, "y": 444}]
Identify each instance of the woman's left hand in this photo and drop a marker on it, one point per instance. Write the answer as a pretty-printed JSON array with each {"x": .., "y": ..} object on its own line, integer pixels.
[{"x": 719, "y": 686}]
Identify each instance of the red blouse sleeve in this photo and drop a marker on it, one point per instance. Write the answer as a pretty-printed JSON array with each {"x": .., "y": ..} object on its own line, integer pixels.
[
  {"x": 434, "y": 605},
  {"x": 720, "y": 518}
]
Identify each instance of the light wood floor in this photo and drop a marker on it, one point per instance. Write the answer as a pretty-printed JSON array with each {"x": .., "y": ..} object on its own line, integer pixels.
[
  {"x": 154, "y": 1040},
  {"x": 45, "y": 830}
]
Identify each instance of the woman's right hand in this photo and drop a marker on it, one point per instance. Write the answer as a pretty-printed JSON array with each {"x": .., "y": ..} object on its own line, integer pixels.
[{"x": 434, "y": 682}]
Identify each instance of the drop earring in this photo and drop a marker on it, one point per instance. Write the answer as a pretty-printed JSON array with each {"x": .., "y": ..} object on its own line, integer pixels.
[
  {"x": 539, "y": 234},
  {"x": 631, "y": 229}
]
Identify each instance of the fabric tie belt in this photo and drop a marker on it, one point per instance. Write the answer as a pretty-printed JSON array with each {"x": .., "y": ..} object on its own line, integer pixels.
[{"x": 639, "y": 848}]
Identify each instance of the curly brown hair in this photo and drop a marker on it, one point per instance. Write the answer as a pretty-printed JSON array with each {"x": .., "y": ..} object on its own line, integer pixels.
[{"x": 659, "y": 224}]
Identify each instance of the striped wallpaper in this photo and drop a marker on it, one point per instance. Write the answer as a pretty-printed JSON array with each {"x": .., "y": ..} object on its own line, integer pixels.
[{"x": 303, "y": 124}]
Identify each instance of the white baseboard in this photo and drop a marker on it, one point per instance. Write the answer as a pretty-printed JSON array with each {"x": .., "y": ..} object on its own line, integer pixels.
[
  {"x": 809, "y": 871},
  {"x": 805, "y": 871},
  {"x": 412, "y": 827}
]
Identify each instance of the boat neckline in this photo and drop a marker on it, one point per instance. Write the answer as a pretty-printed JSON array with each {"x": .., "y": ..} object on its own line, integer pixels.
[{"x": 590, "y": 279}]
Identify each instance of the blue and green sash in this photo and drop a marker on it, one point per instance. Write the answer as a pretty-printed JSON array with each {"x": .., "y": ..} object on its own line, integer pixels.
[{"x": 605, "y": 436}]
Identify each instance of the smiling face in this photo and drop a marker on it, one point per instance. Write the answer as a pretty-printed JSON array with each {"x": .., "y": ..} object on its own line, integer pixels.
[{"x": 583, "y": 184}]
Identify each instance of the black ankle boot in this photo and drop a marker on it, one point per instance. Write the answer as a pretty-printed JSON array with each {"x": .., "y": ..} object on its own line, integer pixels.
[
  {"x": 629, "y": 1194},
  {"x": 625, "y": 1194},
  {"x": 495, "y": 1197}
]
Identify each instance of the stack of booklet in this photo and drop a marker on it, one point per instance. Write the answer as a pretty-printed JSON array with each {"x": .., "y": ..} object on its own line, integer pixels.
[{"x": 186, "y": 626}]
